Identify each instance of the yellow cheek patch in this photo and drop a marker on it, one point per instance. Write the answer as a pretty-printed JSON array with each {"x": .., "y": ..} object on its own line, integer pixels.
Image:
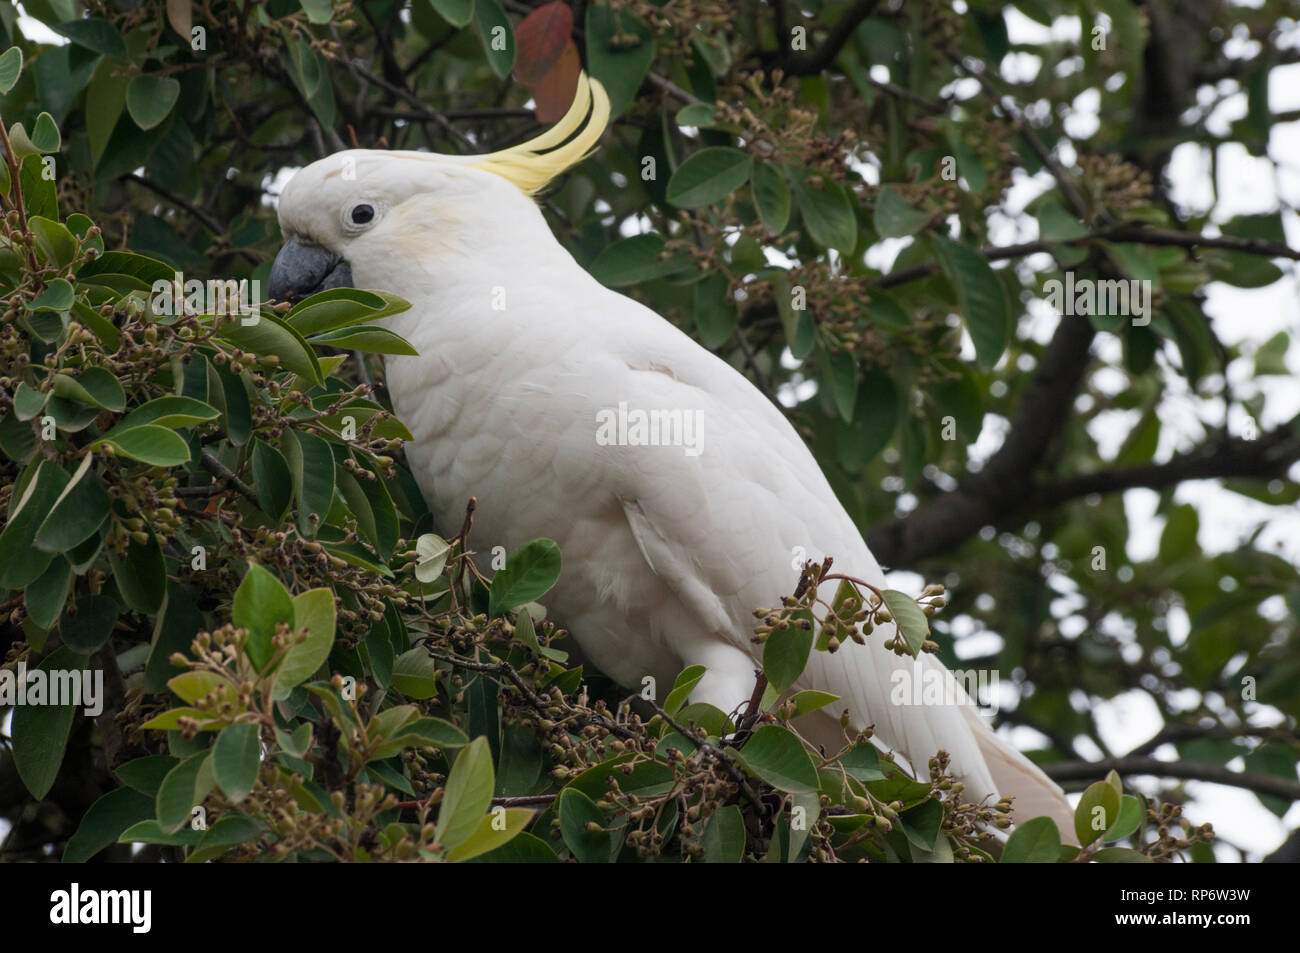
[
  {"x": 532, "y": 164},
  {"x": 424, "y": 227}
]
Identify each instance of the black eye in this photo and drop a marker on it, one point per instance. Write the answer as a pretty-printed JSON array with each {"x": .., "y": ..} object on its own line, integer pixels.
[{"x": 362, "y": 214}]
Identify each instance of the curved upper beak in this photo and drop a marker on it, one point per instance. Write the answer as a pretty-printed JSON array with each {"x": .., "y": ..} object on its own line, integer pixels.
[{"x": 301, "y": 270}]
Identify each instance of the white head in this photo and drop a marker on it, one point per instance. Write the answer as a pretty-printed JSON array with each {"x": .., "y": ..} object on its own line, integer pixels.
[{"x": 361, "y": 217}]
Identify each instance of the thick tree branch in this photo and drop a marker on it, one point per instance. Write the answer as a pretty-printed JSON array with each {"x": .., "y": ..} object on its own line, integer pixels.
[
  {"x": 1183, "y": 770},
  {"x": 1272, "y": 455},
  {"x": 1000, "y": 487}
]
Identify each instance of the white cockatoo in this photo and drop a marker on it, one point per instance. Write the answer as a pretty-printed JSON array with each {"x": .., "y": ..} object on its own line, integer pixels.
[{"x": 527, "y": 392}]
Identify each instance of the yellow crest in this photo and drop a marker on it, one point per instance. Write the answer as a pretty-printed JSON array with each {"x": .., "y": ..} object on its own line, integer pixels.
[{"x": 530, "y": 165}]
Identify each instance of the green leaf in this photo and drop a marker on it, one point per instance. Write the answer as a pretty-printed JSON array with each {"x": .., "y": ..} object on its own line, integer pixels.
[
  {"x": 311, "y": 468},
  {"x": 313, "y": 610},
  {"x": 104, "y": 822},
  {"x": 260, "y": 602},
  {"x": 682, "y": 687},
  {"x": 297, "y": 743},
  {"x": 695, "y": 115},
  {"x": 57, "y": 245},
  {"x": 236, "y": 758},
  {"x": 40, "y": 730},
  {"x": 45, "y": 597},
  {"x": 495, "y": 829},
  {"x": 148, "y": 443},
  {"x": 179, "y": 793},
  {"x": 715, "y": 312},
  {"x": 271, "y": 335},
  {"x": 57, "y": 296},
  {"x": 105, "y": 99},
  {"x": 1141, "y": 444},
  {"x": 1121, "y": 855},
  {"x": 415, "y": 675},
  {"x": 921, "y": 824},
  {"x": 910, "y": 619},
  {"x": 271, "y": 480},
  {"x": 1131, "y": 814},
  {"x": 1096, "y": 812},
  {"x": 171, "y": 720},
  {"x": 1036, "y": 841},
  {"x": 1271, "y": 356},
  {"x": 431, "y": 552},
  {"x": 114, "y": 268},
  {"x": 810, "y": 701},
  {"x": 874, "y": 419},
  {"x": 11, "y": 67},
  {"x": 577, "y": 811},
  {"x": 95, "y": 386},
  {"x": 151, "y": 832},
  {"x": 771, "y": 198},
  {"x": 497, "y": 37},
  {"x": 146, "y": 774},
  {"x": 170, "y": 412},
  {"x": 19, "y": 564},
  {"x": 43, "y": 139},
  {"x": 78, "y": 512},
  {"x": 189, "y": 687},
  {"x": 827, "y": 213},
  {"x": 863, "y": 762},
  {"x": 620, "y": 49},
  {"x": 318, "y": 11},
  {"x": 724, "y": 836},
  {"x": 981, "y": 299},
  {"x": 530, "y": 572},
  {"x": 390, "y": 723},
  {"x": 785, "y": 653},
  {"x": 228, "y": 831},
  {"x": 432, "y": 733},
  {"x": 342, "y": 307},
  {"x": 94, "y": 34},
  {"x": 894, "y": 218},
  {"x": 1055, "y": 224},
  {"x": 524, "y": 848},
  {"x": 1179, "y": 537},
  {"x": 39, "y": 190},
  {"x": 456, "y": 12},
  {"x": 371, "y": 340},
  {"x": 467, "y": 795},
  {"x": 709, "y": 176},
  {"x": 150, "y": 98},
  {"x": 141, "y": 575},
  {"x": 28, "y": 401},
  {"x": 89, "y": 628},
  {"x": 780, "y": 759},
  {"x": 843, "y": 374},
  {"x": 636, "y": 259}
]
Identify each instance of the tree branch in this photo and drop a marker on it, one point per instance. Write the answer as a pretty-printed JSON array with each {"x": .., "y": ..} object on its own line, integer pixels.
[
  {"x": 817, "y": 60},
  {"x": 179, "y": 201},
  {"x": 1272, "y": 455},
  {"x": 1000, "y": 487},
  {"x": 1183, "y": 770}
]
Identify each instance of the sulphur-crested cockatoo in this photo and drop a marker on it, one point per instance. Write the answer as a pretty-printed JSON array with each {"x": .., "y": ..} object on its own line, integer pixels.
[{"x": 530, "y": 393}]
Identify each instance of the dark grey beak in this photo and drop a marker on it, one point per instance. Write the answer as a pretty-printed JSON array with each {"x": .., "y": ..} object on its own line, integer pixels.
[{"x": 301, "y": 270}]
